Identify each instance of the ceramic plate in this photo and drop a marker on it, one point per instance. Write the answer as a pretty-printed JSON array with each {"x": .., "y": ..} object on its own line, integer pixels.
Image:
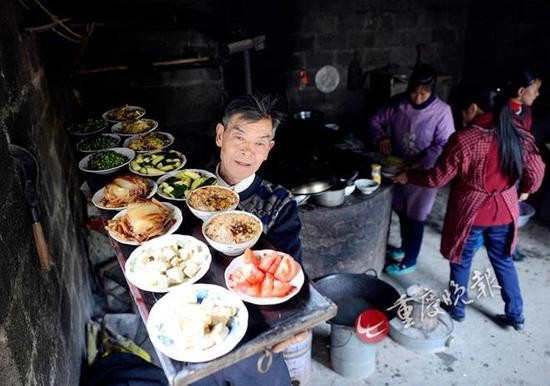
[
  {"x": 107, "y": 115},
  {"x": 139, "y": 276},
  {"x": 117, "y": 127},
  {"x": 177, "y": 216},
  {"x": 128, "y": 153},
  {"x": 164, "y": 330},
  {"x": 297, "y": 281},
  {"x": 114, "y": 137},
  {"x": 182, "y": 158},
  {"x": 203, "y": 173},
  {"x": 168, "y": 137},
  {"x": 98, "y": 196}
]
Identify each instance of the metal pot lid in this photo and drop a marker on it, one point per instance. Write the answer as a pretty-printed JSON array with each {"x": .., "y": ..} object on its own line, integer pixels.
[
  {"x": 327, "y": 79},
  {"x": 312, "y": 187}
]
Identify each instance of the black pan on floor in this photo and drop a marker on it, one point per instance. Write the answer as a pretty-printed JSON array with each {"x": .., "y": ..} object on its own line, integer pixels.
[{"x": 354, "y": 293}]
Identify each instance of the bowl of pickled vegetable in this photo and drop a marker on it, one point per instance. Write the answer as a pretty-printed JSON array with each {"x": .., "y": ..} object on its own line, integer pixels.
[
  {"x": 98, "y": 142},
  {"x": 106, "y": 161},
  {"x": 178, "y": 185},
  {"x": 157, "y": 163},
  {"x": 87, "y": 127}
]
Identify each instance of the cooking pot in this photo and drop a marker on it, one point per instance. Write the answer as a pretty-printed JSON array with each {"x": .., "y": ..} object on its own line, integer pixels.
[
  {"x": 354, "y": 293},
  {"x": 313, "y": 187},
  {"x": 333, "y": 197}
]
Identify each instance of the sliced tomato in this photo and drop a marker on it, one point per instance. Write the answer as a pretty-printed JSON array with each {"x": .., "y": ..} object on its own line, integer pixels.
[
  {"x": 281, "y": 289},
  {"x": 237, "y": 278},
  {"x": 287, "y": 269},
  {"x": 275, "y": 265},
  {"x": 253, "y": 290},
  {"x": 254, "y": 275},
  {"x": 250, "y": 257},
  {"x": 267, "y": 286},
  {"x": 267, "y": 261}
]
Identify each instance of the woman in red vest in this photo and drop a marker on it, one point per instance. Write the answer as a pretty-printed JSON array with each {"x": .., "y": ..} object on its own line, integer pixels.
[{"x": 484, "y": 162}]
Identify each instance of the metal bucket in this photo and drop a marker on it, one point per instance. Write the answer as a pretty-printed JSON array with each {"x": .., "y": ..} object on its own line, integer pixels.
[
  {"x": 298, "y": 361},
  {"x": 349, "y": 355}
]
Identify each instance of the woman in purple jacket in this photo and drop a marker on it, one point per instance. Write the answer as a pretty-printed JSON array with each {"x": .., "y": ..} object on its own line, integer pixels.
[{"x": 415, "y": 127}]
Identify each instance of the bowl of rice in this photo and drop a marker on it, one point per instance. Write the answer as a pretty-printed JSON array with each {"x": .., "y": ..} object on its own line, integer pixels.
[
  {"x": 232, "y": 232},
  {"x": 208, "y": 200}
]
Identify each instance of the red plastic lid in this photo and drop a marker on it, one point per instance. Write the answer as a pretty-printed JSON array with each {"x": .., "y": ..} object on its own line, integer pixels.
[{"x": 372, "y": 326}]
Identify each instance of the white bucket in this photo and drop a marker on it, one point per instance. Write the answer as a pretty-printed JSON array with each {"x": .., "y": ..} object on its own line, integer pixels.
[
  {"x": 349, "y": 355},
  {"x": 298, "y": 360}
]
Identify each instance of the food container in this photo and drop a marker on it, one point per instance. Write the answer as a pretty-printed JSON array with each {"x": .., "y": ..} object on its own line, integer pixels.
[
  {"x": 332, "y": 197},
  {"x": 231, "y": 249},
  {"x": 366, "y": 186},
  {"x": 127, "y": 153},
  {"x": 207, "y": 192}
]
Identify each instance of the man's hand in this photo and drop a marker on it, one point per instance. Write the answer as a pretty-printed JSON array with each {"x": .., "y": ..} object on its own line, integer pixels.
[
  {"x": 280, "y": 347},
  {"x": 385, "y": 146},
  {"x": 400, "y": 178},
  {"x": 523, "y": 196}
]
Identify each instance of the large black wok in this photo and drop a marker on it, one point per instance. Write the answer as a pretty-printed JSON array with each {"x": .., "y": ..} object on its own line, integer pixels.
[{"x": 354, "y": 293}]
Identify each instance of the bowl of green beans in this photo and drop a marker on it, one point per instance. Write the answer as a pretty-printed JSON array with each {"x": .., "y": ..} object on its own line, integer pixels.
[
  {"x": 106, "y": 161},
  {"x": 98, "y": 142}
]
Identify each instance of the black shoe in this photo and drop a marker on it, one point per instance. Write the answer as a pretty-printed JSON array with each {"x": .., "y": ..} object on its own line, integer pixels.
[
  {"x": 504, "y": 320},
  {"x": 447, "y": 308},
  {"x": 518, "y": 256}
]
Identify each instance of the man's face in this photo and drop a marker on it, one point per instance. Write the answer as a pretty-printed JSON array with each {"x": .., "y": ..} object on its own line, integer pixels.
[
  {"x": 527, "y": 95},
  {"x": 244, "y": 145},
  {"x": 420, "y": 94}
]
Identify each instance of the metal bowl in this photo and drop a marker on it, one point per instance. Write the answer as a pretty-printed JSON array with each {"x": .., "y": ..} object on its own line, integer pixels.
[{"x": 312, "y": 187}]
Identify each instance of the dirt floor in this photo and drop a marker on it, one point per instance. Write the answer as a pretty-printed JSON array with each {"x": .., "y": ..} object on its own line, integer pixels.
[{"x": 481, "y": 351}]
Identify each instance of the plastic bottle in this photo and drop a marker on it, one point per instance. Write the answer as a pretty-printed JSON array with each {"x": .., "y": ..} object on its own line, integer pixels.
[{"x": 375, "y": 173}]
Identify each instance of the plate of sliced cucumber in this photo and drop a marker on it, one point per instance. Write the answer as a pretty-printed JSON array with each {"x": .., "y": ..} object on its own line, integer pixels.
[
  {"x": 177, "y": 185},
  {"x": 157, "y": 163}
]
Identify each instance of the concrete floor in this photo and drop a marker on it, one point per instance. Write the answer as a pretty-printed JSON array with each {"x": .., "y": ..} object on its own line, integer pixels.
[{"x": 482, "y": 352}]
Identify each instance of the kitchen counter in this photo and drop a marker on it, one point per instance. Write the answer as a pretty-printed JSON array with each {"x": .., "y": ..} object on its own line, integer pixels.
[{"x": 349, "y": 238}]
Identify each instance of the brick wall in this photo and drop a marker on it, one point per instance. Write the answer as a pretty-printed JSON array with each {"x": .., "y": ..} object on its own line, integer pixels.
[
  {"x": 42, "y": 315},
  {"x": 382, "y": 32}
]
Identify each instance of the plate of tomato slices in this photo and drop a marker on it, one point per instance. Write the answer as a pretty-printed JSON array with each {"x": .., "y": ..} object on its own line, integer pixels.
[{"x": 264, "y": 277}]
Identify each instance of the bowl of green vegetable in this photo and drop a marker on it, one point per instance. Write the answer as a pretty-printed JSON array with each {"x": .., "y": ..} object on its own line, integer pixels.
[
  {"x": 87, "y": 127},
  {"x": 178, "y": 185},
  {"x": 98, "y": 142},
  {"x": 106, "y": 161},
  {"x": 157, "y": 163}
]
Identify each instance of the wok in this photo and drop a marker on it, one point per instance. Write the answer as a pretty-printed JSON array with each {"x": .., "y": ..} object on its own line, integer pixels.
[
  {"x": 313, "y": 187},
  {"x": 354, "y": 293}
]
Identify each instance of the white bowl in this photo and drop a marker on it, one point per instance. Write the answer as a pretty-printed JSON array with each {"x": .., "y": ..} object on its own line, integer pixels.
[
  {"x": 366, "y": 186},
  {"x": 118, "y": 126},
  {"x": 107, "y": 114},
  {"x": 203, "y": 173},
  {"x": 98, "y": 196},
  {"x": 182, "y": 158},
  {"x": 73, "y": 129},
  {"x": 203, "y": 214},
  {"x": 227, "y": 248},
  {"x": 177, "y": 216},
  {"x": 349, "y": 190},
  {"x": 114, "y": 136},
  {"x": 169, "y": 136},
  {"x": 128, "y": 153},
  {"x": 141, "y": 277}
]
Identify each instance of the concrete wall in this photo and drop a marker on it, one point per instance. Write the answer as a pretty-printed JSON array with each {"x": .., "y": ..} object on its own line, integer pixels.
[
  {"x": 42, "y": 315},
  {"x": 503, "y": 35},
  {"x": 382, "y": 32}
]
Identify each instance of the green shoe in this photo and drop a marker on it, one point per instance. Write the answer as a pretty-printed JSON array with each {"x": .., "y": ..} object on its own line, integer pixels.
[
  {"x": 397, "y": 270},
  {"x": 396, "y": 254}
]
